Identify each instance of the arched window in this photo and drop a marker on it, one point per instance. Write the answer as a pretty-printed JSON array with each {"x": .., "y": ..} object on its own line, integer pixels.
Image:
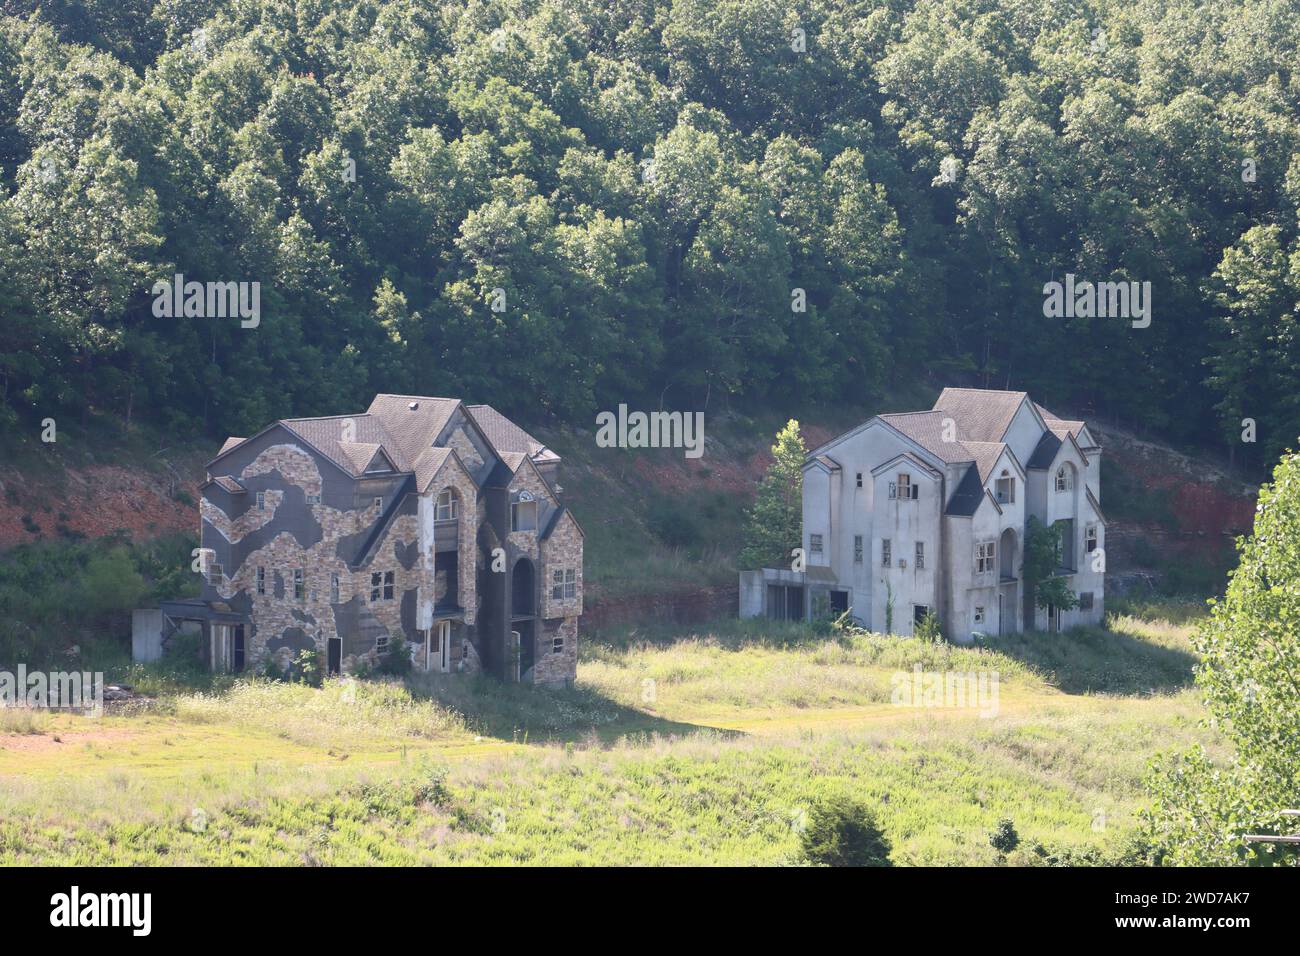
[
  {"x": 1064, "y": 478},
  {"x": 448, "y": 507},
  {"x": 1005, "y": 490}
]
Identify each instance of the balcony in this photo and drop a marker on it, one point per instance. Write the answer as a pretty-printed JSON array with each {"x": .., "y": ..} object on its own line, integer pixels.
[{"x": 446, "y": 535}]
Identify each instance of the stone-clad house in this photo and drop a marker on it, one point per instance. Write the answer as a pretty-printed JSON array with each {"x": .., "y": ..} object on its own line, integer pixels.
[
  {"x": 422, "y": 518},
  {"x": 927, "y": 511}
]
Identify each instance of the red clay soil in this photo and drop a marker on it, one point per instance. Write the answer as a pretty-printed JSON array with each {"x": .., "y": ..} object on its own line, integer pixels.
[{"x": 94, "y": 501}]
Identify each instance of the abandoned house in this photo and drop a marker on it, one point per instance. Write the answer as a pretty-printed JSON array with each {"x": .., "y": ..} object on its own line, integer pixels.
[
  {"x": 422, "y": 520},
  {"x": 927, "y": 512}
]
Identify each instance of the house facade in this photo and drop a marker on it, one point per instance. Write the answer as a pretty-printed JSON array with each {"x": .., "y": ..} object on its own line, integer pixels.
[
  {"x": 421, "y": 519},
  {"x": 927, "y": 512}
]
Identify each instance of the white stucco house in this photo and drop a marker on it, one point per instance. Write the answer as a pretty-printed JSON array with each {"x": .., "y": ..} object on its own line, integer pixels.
[{"x": 926, "y": 511}]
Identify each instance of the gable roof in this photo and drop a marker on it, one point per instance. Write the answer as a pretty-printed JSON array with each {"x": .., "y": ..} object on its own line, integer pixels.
[
  {"x": 928, "y": 470},
  {"x": 397, "y": 432},
  {"x": 411, "y": 423},
  {"x": 986, "y": 455},
  {"x": 926, "y": 429},
  {"x": 361, "y": 453},
  {"x": 981, "y": 414},
  {"x": 965, "y": 501},
  {"x": 1096, "y": 505},
  {"x": 1044, "y": 453},
  {"x": 826, "y": 461},
  {"x": 505, "y": 436},
  {"x": 554, "y": 523}
]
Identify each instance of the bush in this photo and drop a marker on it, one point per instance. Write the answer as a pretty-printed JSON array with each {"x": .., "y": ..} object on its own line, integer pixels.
[
  {"x": 306, "y": 668},
  {"x": 1004, "y": 837},
  {"x": 397, "y": 661},
  {"x": 928, "y": 630},
  {"x": 842, "y": 832}
]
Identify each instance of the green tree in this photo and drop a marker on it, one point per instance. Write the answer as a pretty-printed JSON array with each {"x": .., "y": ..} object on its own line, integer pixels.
[
  {"x": 1042, "y": 561},
  {"x": 843, "y": 832},
  {"x": 1250, "y": 678},
  {"x": 775, "y": 521}
]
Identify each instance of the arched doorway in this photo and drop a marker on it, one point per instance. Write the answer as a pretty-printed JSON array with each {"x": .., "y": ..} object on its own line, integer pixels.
[
  {"x": 523, "y": 613},
  {"x": 1007, "y": 555},
  {"x": 1008, "y": 585}
]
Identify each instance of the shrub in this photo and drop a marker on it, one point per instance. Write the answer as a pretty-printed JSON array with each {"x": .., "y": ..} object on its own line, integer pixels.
[
  {"x": 1004, "y": 837},
  {"x": 842, "y": 832},
  {"x": 928, "y": 630},
  {"x": 306, "y": 668},
  {"x": 397, "y": 661}
]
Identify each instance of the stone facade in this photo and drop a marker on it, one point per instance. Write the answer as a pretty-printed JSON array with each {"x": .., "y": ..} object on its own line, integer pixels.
[{"x": 320, "y": 553}]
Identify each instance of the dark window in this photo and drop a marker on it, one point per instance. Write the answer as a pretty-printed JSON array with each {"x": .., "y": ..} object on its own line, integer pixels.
[
  {"x": 785, "y": 602},
  {"x": 377, "y": 585},
  {"x": 815, "y": 543},
  {"x": 261, "y": 580},
  {"x": 299, "y": 587},
  {"x": 839, "y": 601},
  {"x": 261, "y": 501},
  {"x": 857, "y": 549},
  {"x": 523, "y": 516},
  {"x": 886, "y": 553},
  {"x": 557, "y": 646},
  {"x": 859, "y": 479}
]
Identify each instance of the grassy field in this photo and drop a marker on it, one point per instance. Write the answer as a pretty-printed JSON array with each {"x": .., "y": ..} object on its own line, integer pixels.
[{"x": 701, "y": 748}]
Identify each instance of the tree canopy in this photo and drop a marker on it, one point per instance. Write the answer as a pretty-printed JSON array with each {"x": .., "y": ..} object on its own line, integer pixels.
[
  {"x": 1250, "y": 677},
  {"x": 564, "y": 204}
]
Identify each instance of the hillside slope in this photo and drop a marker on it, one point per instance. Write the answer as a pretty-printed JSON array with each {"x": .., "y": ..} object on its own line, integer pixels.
[{"x": 657, "y": 523}]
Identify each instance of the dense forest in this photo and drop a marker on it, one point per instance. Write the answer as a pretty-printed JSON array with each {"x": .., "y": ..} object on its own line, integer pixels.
[{"x": 556, "y": 206}]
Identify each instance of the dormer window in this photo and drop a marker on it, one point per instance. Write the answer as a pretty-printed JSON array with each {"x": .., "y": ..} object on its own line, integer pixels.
[
  {"x": 1064, "y": 480},
  {"x": 1005, "y": 488}
]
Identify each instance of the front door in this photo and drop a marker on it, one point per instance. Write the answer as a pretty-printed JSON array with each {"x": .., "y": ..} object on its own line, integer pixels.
[
  {"x": 438, "y": 647},
  {"x": 334, "y": 655}
]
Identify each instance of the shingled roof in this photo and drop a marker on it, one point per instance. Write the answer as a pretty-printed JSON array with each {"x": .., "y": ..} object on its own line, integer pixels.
[
  {"x": 412, "y": 422},
  {"x": 365, "y": 431},
  {"x": 403, "y": 428},
  {"x": 926, "y": 429},
  {"x": 506, "y": 436},
  {"x": 981, "y": 414}
]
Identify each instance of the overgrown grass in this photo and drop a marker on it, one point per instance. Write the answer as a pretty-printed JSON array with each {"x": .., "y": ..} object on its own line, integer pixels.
[{"x": 739, "y": 730}]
